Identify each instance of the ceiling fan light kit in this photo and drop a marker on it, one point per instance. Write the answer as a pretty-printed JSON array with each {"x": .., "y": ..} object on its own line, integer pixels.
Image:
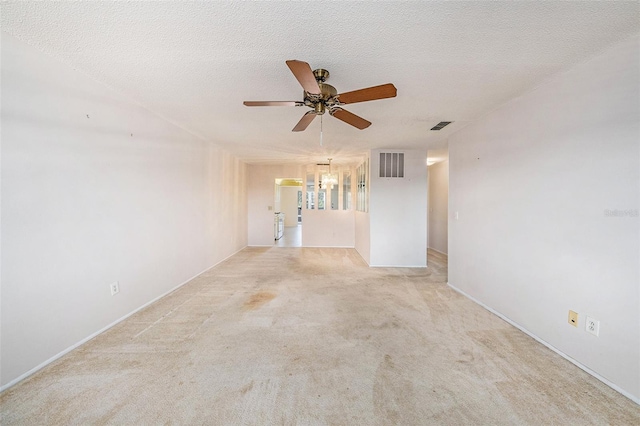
[{"x": 322, "y": 97}]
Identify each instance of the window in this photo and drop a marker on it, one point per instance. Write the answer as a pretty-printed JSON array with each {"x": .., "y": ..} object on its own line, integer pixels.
[
  {"x": 335, "y": 196},
  {"x": 346, "y": 191},
  {"x": 311, "y": 190},
  {"x": 323, "y": 194},
  {"x": 362, "y": 176}
]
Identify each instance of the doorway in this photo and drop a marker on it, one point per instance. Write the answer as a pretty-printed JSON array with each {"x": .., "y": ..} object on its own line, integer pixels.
[
  {"x": 438, "y": 201},
  {"x": 288, "y": 212}
]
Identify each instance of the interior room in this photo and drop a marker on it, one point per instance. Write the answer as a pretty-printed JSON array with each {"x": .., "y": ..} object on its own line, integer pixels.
[{"x": 320, "y": 212}]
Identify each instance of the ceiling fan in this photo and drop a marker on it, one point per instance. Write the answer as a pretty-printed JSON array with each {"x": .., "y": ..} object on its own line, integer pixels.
[{"x": 323, "y": 97}]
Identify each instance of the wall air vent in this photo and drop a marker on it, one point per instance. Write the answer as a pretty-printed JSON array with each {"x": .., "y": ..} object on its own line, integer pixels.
[
  {"x": 392, "y": 164},
  {"x": 441, "y": 124}
]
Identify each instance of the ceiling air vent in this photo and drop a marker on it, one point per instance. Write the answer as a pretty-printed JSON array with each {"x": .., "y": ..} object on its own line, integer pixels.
[
  {"x": 441, "y": 124},
  {"x": 392, "y": 164}
]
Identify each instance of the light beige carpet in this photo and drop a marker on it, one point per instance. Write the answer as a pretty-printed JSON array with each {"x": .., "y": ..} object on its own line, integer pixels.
[{"x": 285, "y": 336}]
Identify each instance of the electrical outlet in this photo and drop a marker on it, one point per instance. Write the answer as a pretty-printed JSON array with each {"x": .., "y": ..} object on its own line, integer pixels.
[
  {"x": 115, "y": 288},
  {"x": 573, "y": 318},
  {"x": 593, "y": 326}
]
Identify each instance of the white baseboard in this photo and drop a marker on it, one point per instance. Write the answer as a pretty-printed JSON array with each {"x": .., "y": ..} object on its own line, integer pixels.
[
  {"x": 438, "y": 251},
  {"x": 340, "y": 247},
  {"x": 554, "y": 349},
  {"x": 102, "y": 330},
  {"x": 362, "y": 257},
  {"x": 398, "y": 266}
]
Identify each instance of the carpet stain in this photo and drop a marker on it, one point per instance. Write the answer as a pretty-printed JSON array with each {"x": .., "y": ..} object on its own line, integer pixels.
[
  {"x": 247, "y": 388},
  {"x": 388, "y": 361},
  {"x": 258, "y": 299}
]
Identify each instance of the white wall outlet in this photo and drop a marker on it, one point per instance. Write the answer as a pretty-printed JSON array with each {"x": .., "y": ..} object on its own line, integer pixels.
[
  {"x": 115, "y": 288},
  {"x": 593, "y": 326},
  {"x": 456, "y": 216}
]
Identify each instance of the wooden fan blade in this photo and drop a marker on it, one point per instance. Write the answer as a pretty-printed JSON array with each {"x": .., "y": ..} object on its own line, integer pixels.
[
  {"x": 304, "y": 121},
  {"x": 273, "y": 103},
  {"x": 302, "y": 71},
  {"x": 369, "y": 94},
  {"x": 350, "y": 118}
]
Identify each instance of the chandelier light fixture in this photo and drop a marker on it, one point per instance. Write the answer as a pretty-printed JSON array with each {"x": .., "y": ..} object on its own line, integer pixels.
[{"x": 329, "y": 179}]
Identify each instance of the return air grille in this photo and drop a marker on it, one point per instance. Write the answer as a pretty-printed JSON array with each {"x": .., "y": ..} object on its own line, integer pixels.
[
  {"x": 392, "y": 164},
  {"x": 441, "y": 124}
]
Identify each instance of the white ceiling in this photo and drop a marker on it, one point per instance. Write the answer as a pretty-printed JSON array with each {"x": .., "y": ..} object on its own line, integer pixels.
[{"x": 194, "y": 63}]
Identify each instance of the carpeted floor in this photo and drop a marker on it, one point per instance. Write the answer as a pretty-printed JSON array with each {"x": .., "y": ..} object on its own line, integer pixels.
[{"x": 285, "y": 336}]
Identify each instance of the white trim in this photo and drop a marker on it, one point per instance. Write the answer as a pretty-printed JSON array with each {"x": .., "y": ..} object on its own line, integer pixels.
[
  {"x": 562, "y": 354},
  {"x": 102, "y": 330},
  {"x": 340, "y": 247},
  {"x": 362, "y": 257},
  {"x": 398, "y": 266},
  {"x": 438, "y": 251}
]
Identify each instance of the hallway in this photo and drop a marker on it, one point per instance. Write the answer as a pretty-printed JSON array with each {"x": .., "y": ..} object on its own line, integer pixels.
[{"x": 292, "y": 237}]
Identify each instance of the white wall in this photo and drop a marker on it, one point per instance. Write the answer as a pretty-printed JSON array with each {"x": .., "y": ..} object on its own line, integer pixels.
[
  {"x": 532, "y": 183},
  {"x": 261, "y": 196},
  {"x": 438, "y": 205},
  {"x": 328, "y": 228},
  {"x": 362, "y": 233},
  {"x": 398, "y": 212},
  {"x": 96, "y": 189},
  {"x": 289, "y": 204}
]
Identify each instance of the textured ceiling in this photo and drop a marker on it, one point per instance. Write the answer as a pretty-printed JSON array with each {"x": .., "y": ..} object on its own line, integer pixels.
[{"x": 194, "y": 63}]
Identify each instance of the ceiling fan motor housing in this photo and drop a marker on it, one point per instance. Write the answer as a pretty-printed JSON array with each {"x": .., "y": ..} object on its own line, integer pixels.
[
  {"x": 321, "y": 75},
  {"x": 327, "y": 96}
]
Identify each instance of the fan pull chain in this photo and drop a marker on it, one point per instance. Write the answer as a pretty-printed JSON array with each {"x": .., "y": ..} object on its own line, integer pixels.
[{"x": 321, "y": 130}]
